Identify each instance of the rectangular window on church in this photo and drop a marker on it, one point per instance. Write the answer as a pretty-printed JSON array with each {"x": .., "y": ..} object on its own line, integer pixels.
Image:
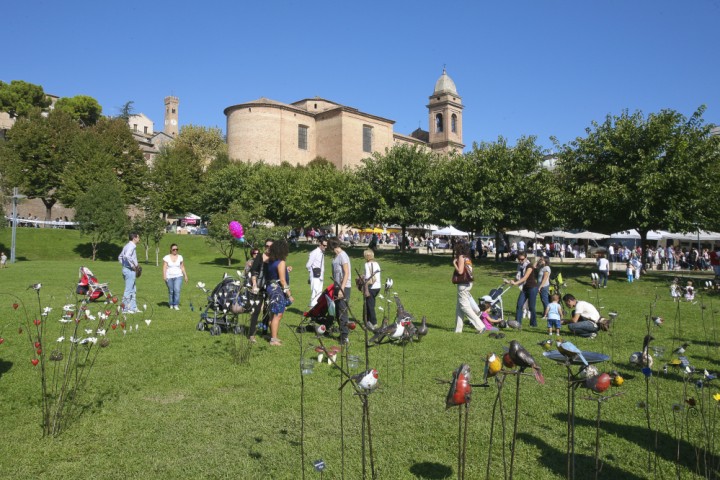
[
  {"x": 367, "y": 138},
  {"x": 302, "y": 137}
]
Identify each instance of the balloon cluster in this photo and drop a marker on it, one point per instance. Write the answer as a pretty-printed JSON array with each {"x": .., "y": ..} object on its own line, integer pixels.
[{"x": 236, "y": 229}]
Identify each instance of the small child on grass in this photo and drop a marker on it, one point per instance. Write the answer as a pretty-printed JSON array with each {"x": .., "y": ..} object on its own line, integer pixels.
[
  {"x": 630, "y": 269},
  {"x": 485, "y": 318},
  {"x": 553, "y": 314}
]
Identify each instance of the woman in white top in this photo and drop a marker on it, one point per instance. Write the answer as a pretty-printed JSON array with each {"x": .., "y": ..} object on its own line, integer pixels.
[
  {"x": 372, "y": 277},
  {"x": 173, "y": 274}
]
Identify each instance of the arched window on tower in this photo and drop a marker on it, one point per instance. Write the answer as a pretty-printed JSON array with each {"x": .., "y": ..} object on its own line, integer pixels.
[
  {"x": 453, "y": 123},
  {"x": 438, "y": 123}
]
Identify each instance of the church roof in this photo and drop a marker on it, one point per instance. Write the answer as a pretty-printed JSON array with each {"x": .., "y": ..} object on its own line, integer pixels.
[{"x": 445, "y": 84}]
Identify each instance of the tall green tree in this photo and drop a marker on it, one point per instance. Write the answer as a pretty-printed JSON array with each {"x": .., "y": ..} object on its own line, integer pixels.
[
  {"x": 648, "y": 173},
  {"x": 20, "y": 99},
  {"x": 493, "y": 187},
  {"x": 396, "y": 186},
  {"x": 151, "y": 227},
  {"x": 100, "y": 212},
  {"x": 176, "y": 180},
  {"x": 35, "y": 154},
  {"x": 322, "y": 196},
  {"x": 82, "y": 108},
  {"x": 207, "y": 143},
  {"x": 107, "y": 147}
]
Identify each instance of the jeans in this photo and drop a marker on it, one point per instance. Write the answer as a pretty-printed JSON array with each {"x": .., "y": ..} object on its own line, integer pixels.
[
  {"x": 583, "y": 328},
  {"x": 529, "y": 294},
  {"x": 370, "y": 306},
  {"x": 603, "y": 277},
  {"x": 341, "y": 312},
  {"x": 130, "y": 294},
  {"x": 545, "y": 297},
  {"x": 463, "y": 308},
  {"x": 174, "y": 284}
]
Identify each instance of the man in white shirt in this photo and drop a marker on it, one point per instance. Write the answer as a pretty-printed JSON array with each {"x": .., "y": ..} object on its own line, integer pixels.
[
  {"x": 128, "y": 260},
  {"x": 316, "y": 269},
  {"x": 585, "y": 320}
]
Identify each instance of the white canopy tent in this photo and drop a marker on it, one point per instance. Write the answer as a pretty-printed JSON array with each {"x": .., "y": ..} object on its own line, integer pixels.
[
  {"x": 588, "y": 235},
  {"x": 450, "y": 232},
  {"x": 633, "y": 234},
  {"x": 523, "y": 233},
  {"x": 554, "y": 233}
]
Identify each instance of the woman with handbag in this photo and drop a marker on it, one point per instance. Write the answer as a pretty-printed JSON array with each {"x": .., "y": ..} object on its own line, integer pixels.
[
  {"x": 463, "y": 278},
  {"x": 278, "y": 287},
  {"x": 372, "y": 284}
]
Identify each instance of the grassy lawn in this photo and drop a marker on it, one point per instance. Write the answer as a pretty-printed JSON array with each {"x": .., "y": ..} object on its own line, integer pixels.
[{"x": 168, "y": 401}]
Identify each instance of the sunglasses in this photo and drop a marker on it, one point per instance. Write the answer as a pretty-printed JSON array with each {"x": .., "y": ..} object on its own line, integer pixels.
[
  {"x": 173, "y": 249},
  {"x": 268, "y": 246}
]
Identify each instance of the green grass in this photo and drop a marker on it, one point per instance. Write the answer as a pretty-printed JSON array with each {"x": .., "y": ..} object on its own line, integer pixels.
[{"x": 169, "y": 402}]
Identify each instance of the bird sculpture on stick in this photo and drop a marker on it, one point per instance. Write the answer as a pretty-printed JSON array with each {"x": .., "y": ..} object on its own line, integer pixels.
[
  {"x": 524, "y": 360},
  {"x": 570, "y": 351}
]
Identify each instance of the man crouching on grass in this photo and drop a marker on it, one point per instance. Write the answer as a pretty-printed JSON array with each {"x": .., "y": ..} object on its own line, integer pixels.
[{"x": 585, "y": 320}]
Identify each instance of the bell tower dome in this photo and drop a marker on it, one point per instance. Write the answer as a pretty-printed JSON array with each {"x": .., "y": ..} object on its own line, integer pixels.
[
  {"x": 445, "y": 116},
  {"x": 171, "y": 116}
]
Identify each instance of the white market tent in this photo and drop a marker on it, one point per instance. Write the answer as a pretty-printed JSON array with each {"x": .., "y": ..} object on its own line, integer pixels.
[
  {"x": 191, "y": 219},
  {"x": 450, "y": 232},
  {"x": 523, "y": 233},
  {"x": 634, "y": 235},
  {"x": 588, "y": 235},
  {"x": 554, "y": 233}
]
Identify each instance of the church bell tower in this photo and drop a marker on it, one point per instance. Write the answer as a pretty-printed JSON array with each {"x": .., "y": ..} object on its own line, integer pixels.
[
  {"x": 445, "y": 117},
  {"x": 171, "y": 116}
]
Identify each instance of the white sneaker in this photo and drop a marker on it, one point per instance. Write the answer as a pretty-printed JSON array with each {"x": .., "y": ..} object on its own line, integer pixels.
[
  {"x": 176, "y": 307},
  {"x": 593, "y": 335}
]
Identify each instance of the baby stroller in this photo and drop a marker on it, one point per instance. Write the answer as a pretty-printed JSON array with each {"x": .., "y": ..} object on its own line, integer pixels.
[
  {"x": 323, "y": 313},
  {"x": 227, "y": 300},
  {"x": 88, "y": 285},
  {"x": 496, "y": 302}
]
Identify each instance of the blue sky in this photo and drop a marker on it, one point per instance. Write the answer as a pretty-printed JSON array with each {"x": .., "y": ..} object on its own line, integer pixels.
[{"x": 521, "y": 67}]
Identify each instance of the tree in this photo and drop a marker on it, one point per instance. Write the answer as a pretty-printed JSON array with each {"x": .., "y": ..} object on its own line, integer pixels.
[
  {"x": 398, "y": 186},
  {"x": 219, "y": 235},
  {"x": 207, "y": 143},
  {"x": 127, "y": 110},
  {"x": 20, "y": 99},
  {"x": 82, "y": 108},
  {"x": 151, "y": 227},
  {"x": 100, "y": 212},
  {"x": 648, "y": 173},
  {"x": 107, "y": 147},
  {"x": 321, "y": 196},
  {"x": 493, "y": 187},
  {"x": 224, "y": 186},
  {"x": 35, "y": 154},
  {"x": 176, "y": 180}
]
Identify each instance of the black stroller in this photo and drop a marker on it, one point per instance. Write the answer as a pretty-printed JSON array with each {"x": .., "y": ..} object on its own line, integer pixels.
[{"x": 225, "y": 303}]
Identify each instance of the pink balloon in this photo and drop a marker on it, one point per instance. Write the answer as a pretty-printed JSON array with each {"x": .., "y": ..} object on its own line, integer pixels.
[{"x": 236, "y": 229}]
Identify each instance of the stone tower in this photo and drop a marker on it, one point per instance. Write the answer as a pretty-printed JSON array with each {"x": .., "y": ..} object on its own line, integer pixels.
[
  {"x": 445, "y": 116},
  {"x": 171, "y": 115}
]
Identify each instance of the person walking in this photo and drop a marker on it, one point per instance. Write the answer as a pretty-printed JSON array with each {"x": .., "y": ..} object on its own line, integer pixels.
[
  {"x": 603, "y": 270},
  {"x": 372, "y": 278},
  {"x": 173, "y": 274},
  {"x": 463, "y": 306},
  {"x": 316, "y": 270},
  {"x": 128, "y": 260},
  {"x": 343, "y": 286},
  {"x": 278, "y": 287},
  {"x": 542, "y": 266},
  {"x": 258, "y": 274}
]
